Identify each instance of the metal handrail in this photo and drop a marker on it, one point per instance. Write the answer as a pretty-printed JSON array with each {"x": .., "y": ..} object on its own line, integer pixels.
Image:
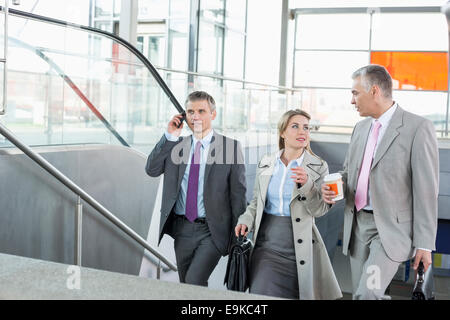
[{"x": 82, "y": 194}]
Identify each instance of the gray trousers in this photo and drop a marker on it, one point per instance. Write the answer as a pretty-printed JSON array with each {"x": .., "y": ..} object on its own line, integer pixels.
[
  {"x": 372, "y": 270},
  {"x": 195, "y": 252}
]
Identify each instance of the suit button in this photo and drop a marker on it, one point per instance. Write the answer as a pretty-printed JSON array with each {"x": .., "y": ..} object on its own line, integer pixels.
[
  {"x": 313, "y": 241},
  {"x": 299, "y": 240},
  {"x": 298, "y": 219},
  {"x": 300, "y": 199},
  {"x": 303, "y": 198},
  {"x": 302, "y": 262}
]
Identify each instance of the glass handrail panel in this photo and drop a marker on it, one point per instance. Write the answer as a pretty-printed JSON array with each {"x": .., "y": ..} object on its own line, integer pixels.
[{"x": 73, "y": 71}]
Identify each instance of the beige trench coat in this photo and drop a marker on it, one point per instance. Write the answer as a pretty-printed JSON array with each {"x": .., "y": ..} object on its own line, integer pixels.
[{"x": 315, "y": 273}]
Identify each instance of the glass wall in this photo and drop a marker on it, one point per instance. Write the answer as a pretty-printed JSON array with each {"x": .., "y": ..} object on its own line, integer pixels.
[
  {"x": 330, "y": 44},
  {"x": 222, "y": 36},
  {"x": 211, "y": 41}
]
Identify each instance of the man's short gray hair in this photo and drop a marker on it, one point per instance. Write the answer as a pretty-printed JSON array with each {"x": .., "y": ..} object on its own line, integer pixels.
[
  {"x": 201, "y": 96},
  {"x": 374, "y": 74}
]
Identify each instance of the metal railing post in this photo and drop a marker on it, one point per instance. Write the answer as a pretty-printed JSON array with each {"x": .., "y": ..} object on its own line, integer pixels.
[
  {"x": 78, "y": 232},
  {"x": 158, "y": 270},
  {"x": 4, "y": 60}
]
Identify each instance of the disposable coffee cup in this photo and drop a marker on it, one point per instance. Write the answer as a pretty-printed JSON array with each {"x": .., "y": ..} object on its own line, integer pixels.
[{"x": 334, "y": 181}]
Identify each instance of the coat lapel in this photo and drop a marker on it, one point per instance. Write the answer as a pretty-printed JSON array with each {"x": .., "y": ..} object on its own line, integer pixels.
[
  {"x": 311, "y": 164},
  {"x": 267, "y": 166},
  {"x": 215, "y": 152},
  {"x": 389, "y": 136},
  {"x": 362, "y": 141}
]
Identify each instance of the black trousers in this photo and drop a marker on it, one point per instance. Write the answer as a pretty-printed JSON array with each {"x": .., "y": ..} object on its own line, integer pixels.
[{"x": 195, "y": 252}]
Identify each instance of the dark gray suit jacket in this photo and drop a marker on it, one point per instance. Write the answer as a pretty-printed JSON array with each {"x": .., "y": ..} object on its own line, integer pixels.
[{"x": 224, "y": 186}]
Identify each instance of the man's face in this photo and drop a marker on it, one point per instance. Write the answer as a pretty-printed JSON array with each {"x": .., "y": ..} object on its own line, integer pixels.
[
  {"x": 364, "y": 101},
  {"x": 199, "y": 116}
]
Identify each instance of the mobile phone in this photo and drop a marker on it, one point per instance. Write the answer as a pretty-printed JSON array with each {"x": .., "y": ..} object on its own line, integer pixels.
[{"x": 183, "y": 114}]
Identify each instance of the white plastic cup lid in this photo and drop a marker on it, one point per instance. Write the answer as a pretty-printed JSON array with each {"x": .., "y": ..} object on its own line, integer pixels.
[{"x": 333, "y": 177}]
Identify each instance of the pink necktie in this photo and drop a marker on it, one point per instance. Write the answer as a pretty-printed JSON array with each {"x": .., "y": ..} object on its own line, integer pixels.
[{"x": 363, "y": 180}]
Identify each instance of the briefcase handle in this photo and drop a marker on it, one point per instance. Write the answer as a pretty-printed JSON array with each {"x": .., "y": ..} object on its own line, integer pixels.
[
  {"x": 241, "y": 238},
  {"x": 418, "y": 292}
]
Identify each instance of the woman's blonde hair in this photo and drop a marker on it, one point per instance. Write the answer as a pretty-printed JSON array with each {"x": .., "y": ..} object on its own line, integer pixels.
[{"x": 283, "y": 123}]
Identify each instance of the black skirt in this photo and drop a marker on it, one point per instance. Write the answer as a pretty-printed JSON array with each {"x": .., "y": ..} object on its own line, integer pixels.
[{"x": 273, "y": 268}]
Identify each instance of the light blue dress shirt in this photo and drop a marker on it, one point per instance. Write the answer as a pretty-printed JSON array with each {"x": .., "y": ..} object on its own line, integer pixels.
[
  {"x": 280, "y": 188},
  {"x": 180, "y": 205}
]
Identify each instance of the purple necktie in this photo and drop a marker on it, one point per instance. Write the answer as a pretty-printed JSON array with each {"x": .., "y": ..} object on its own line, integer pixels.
[
  {"x": 192, "y": 190},
  {"x": 363, "y": 180}
]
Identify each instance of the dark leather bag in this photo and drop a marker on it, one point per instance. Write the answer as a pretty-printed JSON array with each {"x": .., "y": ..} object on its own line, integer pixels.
[
  {"x": 237, "y": 274},
  {"x": 424, "y": 285}
]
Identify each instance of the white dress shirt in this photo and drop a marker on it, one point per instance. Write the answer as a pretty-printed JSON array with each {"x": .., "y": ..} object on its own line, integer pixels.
[{"x": 281, "y": 185}]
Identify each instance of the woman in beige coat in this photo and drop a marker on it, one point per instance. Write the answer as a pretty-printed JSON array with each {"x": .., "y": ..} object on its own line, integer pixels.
[{"x": 289, "y": 258}]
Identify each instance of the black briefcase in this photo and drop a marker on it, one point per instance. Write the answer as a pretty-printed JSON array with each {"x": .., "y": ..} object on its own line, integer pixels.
[
  {"x": 424, "y": 286},
  {"x": 236, "y": 276}
]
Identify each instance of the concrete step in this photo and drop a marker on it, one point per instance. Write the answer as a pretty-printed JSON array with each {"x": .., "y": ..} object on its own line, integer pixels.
[{"x": 25, "y": 278}]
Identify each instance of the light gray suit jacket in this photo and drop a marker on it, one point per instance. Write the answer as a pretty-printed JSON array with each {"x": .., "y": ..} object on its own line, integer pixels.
[
  {"x": 404, "y": 184},
  {"x": 224, "y": 185}
]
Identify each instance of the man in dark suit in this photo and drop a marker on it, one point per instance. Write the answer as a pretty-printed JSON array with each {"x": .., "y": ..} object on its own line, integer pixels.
[{"x": 204, "y": 189}]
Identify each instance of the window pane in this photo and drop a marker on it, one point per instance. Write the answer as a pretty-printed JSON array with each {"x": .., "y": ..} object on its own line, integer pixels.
[
  {"x": 333, "y": 31},
  {"x": 2, "y": 69},
  {"x": 212, "y": 10},
  {"x": 103, "y": 8},
  {"x": 415, "y": 70},
  {"x": 424, "y": 31},
  {"x": 2, "y": 32},
  {"x": 210, "y": 48},
  {"x": 330, "y": 107},
  {"x": 235, "y": 14},
  {"x": 327, "y": 69},
  {"x": 156, "y": 49},
  {"x": 431, "y": 105},
  {"x": 153, "y": 9},
  {"x": 234, "y": 55},
  {"x": 362, "y": 3},
  {"x": 178, "y": 34}
]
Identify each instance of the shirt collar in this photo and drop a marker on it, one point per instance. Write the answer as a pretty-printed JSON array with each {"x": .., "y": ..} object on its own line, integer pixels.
[
  {"x": 206, "y": 141},
  {"x": 299, "y": 160},
  {"x": 386, "y": 117}
]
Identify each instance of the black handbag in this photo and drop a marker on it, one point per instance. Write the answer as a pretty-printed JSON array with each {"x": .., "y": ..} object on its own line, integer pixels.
[
  {"x": 424, "y": 286},
  {"x": 236, "y": 276}
]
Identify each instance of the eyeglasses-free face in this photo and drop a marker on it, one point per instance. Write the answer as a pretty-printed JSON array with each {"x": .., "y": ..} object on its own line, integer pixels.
[{"x": 297, "y": 133}]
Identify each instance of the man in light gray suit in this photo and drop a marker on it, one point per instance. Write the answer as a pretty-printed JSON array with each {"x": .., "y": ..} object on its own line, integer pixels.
[
  {"x": 391, "y": 186},
  {"x": 203, "y": 191}
]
